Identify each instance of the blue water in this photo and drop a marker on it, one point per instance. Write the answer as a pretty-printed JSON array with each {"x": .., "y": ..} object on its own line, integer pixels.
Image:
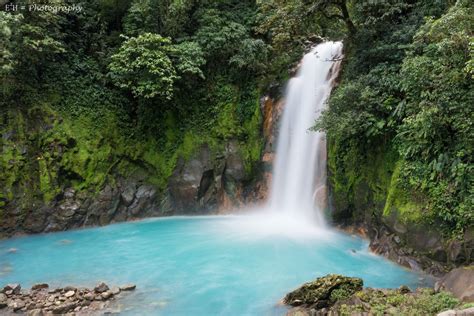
[{"x": 194, "y": 266}]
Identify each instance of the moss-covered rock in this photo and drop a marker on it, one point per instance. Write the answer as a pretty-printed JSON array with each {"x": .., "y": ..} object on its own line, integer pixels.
[
  {"x": 324, "y": 291},
  {"x": 46, "y": 151},
  {"x": 339, "y": 295}
]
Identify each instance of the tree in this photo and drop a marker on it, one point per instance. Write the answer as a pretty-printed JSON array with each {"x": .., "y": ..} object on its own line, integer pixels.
[
  {"x": 143, "y": 66},
  {"x": 149, "y": 65}
]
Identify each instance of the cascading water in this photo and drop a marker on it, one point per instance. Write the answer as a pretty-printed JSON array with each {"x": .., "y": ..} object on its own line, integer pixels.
[{"x": 299, "y": 177}]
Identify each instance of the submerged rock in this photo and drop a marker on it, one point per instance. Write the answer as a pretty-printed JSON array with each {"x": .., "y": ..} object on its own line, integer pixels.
[
  {"x": 323, "y": 292},
  {"x": 101, "y": 287},
  {"x": 128, "y": 287},
  {"x": 39, "y": 286}
]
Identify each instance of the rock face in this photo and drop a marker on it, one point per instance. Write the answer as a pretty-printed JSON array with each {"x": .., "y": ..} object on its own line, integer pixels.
[
  {"x": 323, "y": 292},
  {"x": 125, "y": 200},
  {"x": 460, "y": 282},
  {"x": 54, "y": 180},
  {"x": 204, "y": 184},
  {"x": 272, "y": 108}
]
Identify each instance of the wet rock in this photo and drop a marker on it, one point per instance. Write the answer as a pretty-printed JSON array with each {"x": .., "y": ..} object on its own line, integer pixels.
[
  {"x": 106, "y": 295},
  {"x": 320, "y": 293},
  {"x": 3, "y": 301},
  {"x": 39, "y": 286},
  {"x": 17, "y": 305},
  {"x": 234, "y": 167},
  {"x": 89, "y": 296},
  {"x": 128, "y": 287},
  {"x": 12, "y": 289},
  {"x": 115, "y": 290},
  {"x": 144, "y": 198},
  {"x": 404, "y": 289},
  {"x": 69, "y": 294},
  {"x": 35, "y": 312},
  {"x": 64, "y": 308},
  {"x": 68, "y": 288},
  {"x": 101, "y": 287},
  {"x": 128, "y": 195}
]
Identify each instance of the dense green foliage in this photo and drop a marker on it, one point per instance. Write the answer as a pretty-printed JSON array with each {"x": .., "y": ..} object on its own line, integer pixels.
[
  {"x": 406, "y": 90},
  {"x": 148, "y": 81},
  {"x": 124, "y": 88}
]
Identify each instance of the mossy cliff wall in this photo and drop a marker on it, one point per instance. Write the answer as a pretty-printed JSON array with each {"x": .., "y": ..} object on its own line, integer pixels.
[
  {"x": 58, "y": 171},
  {"x": 367, "y": 192}
]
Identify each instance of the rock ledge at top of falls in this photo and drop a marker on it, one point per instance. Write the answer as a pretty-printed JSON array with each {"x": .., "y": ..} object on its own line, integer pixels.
[{"x": 41, "y": 300}]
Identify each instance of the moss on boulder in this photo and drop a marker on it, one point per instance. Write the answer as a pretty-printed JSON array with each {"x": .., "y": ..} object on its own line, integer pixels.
[{"x": 324, "y": 291}]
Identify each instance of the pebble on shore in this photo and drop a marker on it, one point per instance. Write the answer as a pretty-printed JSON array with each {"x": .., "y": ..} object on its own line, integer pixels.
[{"x": 41, "y": 300}]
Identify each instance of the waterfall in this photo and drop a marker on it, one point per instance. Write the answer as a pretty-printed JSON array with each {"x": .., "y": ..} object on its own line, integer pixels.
[{"x": 299, "y": 176}]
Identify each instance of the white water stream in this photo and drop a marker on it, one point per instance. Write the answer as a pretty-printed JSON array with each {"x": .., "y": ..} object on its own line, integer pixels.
[{"x": 299, "y": 189}]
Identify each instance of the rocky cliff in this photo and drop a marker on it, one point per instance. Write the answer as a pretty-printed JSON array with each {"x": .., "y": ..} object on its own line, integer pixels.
[
  {"x": 57, "y": 173},
  {"x": 366, "y": 195}
]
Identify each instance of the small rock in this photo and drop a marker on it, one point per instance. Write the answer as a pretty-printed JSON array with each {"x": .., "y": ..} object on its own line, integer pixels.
[
  {"x": 69, "y": 288},
  {"x": 89, "y": 296},
  {"x": 106, "y": 295},
  {"x": 128, "y": 287},
  {"x": 403, "y": 289},
  {"x": 9, "y": 292},
  {"x": 14, "y": 288},
  {"x": 101, "y": 287},
  {"x": 39, "y": 286},
  {"x": 12, "y": 250},
  {"x": 115, "y": 290},
  {"x": 64, "y": 308},
  {"x": 17, "y": 305},
  {"x": 98, "y": 298},
  {"x": 3, "y": 301},
  {"x": 69, "y": 294},
  {"x": 35, "y": 312}
]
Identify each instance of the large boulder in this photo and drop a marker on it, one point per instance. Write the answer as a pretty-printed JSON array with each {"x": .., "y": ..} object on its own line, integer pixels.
[
  {"x": 323, "y": 292},
  {"x": 460, "y": 282}
]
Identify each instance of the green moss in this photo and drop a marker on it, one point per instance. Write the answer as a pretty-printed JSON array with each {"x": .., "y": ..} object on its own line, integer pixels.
[
  {"x": 368, "y": 185},
  {"x": 393, "y": 302},
  {"x": 399, "y": 201},
  {"x": 45, "y": 181},
  {"x": 253, "y": 146}
]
